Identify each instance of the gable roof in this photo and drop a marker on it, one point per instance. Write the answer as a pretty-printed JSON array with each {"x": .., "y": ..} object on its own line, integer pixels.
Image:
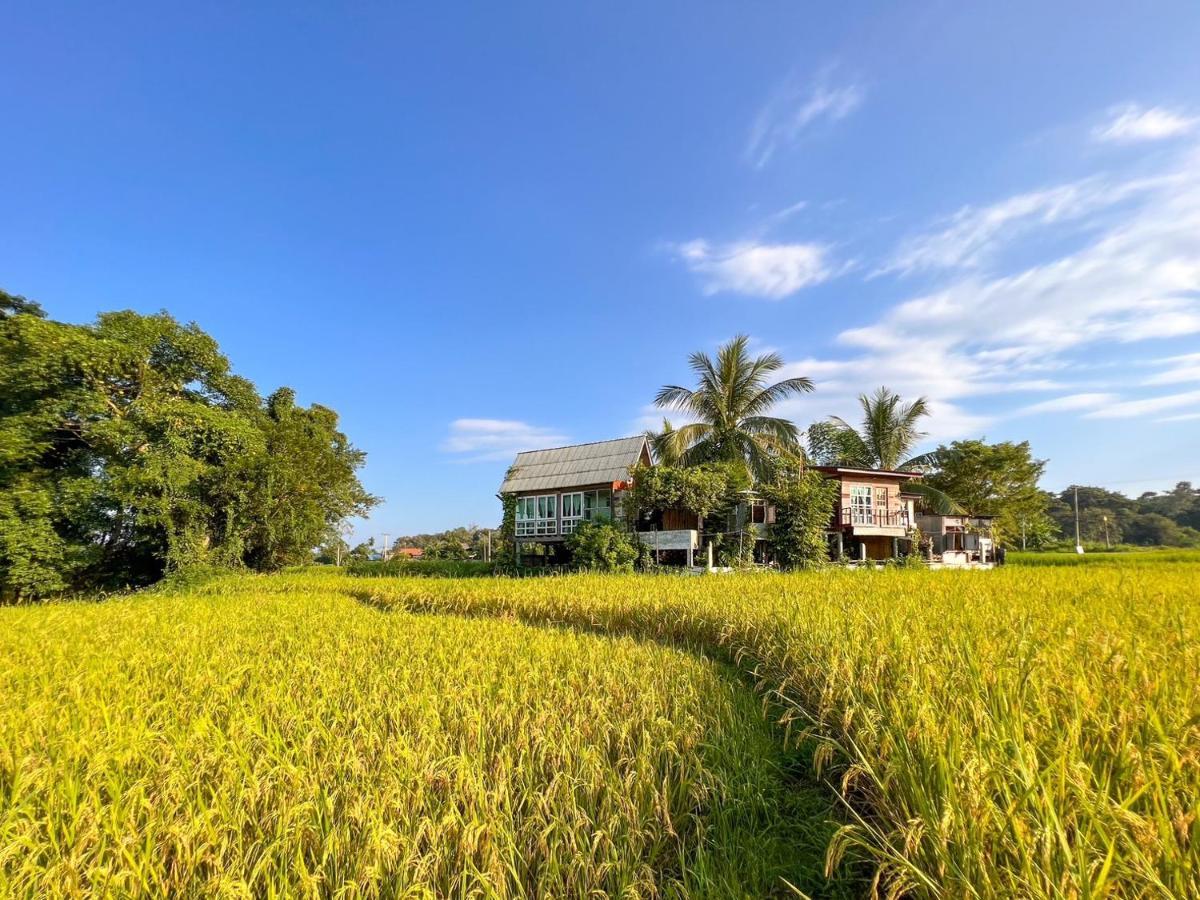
[
  {"x": 575, "y": 466},
  {"x": 853, "y": 470}
]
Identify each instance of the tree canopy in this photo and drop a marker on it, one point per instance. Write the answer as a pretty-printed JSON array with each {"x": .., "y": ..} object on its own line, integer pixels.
[
  {"x": 1170, "y": 518},
  {"x": 995, "y": 480},
  {"x": 128, "y": 448}
]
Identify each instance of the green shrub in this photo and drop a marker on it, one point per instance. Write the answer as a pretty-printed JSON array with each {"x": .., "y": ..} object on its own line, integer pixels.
[
  {"x": 601, "y": 547},
  {"x": 803, "y": 507}
]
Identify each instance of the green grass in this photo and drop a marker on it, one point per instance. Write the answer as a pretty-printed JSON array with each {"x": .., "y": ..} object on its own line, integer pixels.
[
  {"x": 1141, "y": 556},
  {"x": 301, "y": 744}
]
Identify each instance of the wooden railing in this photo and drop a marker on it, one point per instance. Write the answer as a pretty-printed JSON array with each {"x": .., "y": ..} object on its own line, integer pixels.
[{"x": 876, "y": 518}]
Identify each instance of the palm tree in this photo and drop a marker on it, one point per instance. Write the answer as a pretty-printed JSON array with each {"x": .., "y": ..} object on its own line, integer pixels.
[
  {"x": 886, "y": 438},
  {"x": 729, "y": 405},
  {"x": 662, "y": 444}
]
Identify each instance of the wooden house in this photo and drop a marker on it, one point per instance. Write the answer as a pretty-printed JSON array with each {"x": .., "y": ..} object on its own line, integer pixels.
[
  {"x": 558, "y": 488},
  {"x": 873, "y": 517}
]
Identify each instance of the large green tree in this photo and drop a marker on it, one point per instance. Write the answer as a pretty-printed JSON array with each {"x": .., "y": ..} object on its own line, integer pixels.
[
  {"x": 996, "y": 480},
  {"x": 730, "y": 406},
  {"x": 128, "y": 448}
]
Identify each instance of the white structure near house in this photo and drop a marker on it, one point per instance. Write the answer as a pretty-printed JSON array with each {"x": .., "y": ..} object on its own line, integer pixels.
[{"x": 959, "y": 540}]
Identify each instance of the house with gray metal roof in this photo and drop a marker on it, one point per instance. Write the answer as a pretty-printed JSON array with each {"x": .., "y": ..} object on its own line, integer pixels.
[{"x": 558, "y": 488}]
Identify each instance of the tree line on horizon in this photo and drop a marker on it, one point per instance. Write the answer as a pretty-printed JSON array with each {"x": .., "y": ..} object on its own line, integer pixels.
[{"x": 130, "y": 450}]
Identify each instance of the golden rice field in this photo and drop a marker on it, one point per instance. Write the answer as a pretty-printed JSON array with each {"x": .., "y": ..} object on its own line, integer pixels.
[
  {"x": 1028, "y": 732},
  {"x": 256, "y": 743}
]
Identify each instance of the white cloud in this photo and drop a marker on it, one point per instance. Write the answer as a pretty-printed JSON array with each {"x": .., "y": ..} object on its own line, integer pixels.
[
  {"x": 1185, "y": 417},
  {"x": 973, "y": 233},
  {"x": 781, "y": 216},
  {"x": 1138, "y": 278},
  {"x": 756, "y": 269},
  {"x": 497, "y": 439},
  {"x": 794, "y": 109},
  {"x": 946, "y": 379},
  {"x": 1134, "y": 408},
  {"x": 1129, "y": 274},
  {"x": 1069, "y": 403},
  {"x": 1132, "y": 122},
  {"x": 1179, "y": 369},
  {"x": 1034, "y": 328}
]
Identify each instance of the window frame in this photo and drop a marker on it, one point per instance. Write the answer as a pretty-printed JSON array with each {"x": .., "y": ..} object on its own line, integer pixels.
[
  {"x": 862, "y": 513},
  {"x": 571, "y": 500},
  {"x": 543, "y": 522},
  {"x": 589, "y": 513}
]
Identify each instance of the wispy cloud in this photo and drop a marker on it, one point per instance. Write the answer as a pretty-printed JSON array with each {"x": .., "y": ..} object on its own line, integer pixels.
[
  {"x": 973, "y": 234},
  {"x": 1138, "y": 278},
  {"x": 1136, "y": 408},
  {"x": 1179, "y": 369},
  {"x": 795, "y": 108},
  {"x": 1069, "y": 403},
  {"x": 1131, "y": 122},
  {"x": 479, "y": 440},
  {"x": 756, "y": 269},
  {"x": 1131, "y": 274},
  {"x": 780, "y": 216}
]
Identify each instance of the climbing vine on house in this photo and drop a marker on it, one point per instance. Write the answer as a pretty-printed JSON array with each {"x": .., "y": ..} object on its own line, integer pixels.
[{"x": 505, "y": 554}]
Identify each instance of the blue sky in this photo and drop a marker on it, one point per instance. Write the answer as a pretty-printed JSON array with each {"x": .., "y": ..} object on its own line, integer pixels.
[{"x": 478, "y": 229}]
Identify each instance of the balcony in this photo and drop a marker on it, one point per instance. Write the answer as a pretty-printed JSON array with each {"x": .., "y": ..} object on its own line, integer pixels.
[{"x": 874, "y": 521}]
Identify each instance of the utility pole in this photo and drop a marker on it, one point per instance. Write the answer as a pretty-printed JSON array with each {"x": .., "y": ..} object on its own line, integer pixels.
[
  {"x": 340, "y": 534},
  {"x": 383, "y": 553},
  {"x": 1022, "y": 535},
  {"x": 487, "y": 554},
  {"x": 1107, "y": 545},
  {"x": 1078, "y": 545}
]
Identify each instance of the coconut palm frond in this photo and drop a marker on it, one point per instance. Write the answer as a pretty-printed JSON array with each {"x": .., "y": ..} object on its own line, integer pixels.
[
  {"x": 731, "y": 401},
  {"x": 889, "y": 427},
  {"x": 672, "y": 396},
  {"x": 856, "y": 450},
  {"x": 781, "y": 430},
  {"x": 935, "y": 501},
  {"x": 769, "y": 396},
  {"x": 924, "y": 462}
]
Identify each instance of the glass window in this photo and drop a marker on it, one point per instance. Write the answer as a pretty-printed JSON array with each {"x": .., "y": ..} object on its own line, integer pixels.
[
  {"x": 860, "y": 504},
  {"x": 537, "y": 516},
  {"x": 572, "y": 511},
  {"x": 597, "y": 505},
  {"x": 881, "y": 504}
]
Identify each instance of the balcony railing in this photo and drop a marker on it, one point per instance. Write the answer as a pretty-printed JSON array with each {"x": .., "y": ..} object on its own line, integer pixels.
[{"x": 874, "y": 518}]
